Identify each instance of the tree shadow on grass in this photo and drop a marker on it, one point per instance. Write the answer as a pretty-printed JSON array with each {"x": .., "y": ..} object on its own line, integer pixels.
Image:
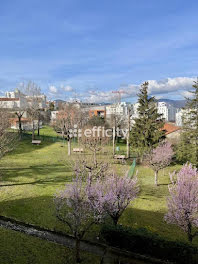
[
  {"x": 39, "y": 211},
  {"x": 154, "y": 222},
  {"x": 25, "y": 145},
  {"x": 46, "y": 174},
  {"x": 153, "y": 191}
]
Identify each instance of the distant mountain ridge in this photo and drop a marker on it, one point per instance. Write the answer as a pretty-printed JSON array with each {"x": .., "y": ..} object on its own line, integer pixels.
[
  {"x": 175, "y": 103},
  {"x": 59, "y": 101}
]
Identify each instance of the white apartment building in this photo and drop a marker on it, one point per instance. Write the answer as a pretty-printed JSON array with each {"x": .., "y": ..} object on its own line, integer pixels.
[
  {"x": 16, "y": 99},
  {"x": 13, "y": 100},
  {"x": 53, "y": 115},
  {"x": 181, "y": 114},
  {"x": 135, "y": 111},
  {"x": 117, "y": 109},
  {"x": 40, "y": 100},
  {"x": 167, "y": 110},
  {"x": 179, "y": 117},
  {"x": 26, "y": 124}
]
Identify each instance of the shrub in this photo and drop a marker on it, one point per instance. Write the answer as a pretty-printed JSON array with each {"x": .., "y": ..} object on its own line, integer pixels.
[{"x": 143, "y": 242}]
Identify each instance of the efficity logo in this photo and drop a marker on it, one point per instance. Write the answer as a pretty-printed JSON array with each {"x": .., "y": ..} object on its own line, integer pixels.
[{"x": 97, "y": 132}]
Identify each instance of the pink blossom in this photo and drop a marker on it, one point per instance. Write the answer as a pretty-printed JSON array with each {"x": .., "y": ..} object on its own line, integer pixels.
[
  {"x": 160, "y": 158},
  {"x": 183, "y": 200},
  {"x": 114, "y": 194}
]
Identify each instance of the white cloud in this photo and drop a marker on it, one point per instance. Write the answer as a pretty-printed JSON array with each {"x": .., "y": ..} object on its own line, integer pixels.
[
  {"x": 68, "y": 88},
  {"x": 53, "y": 89},
  {"x": 187, "y": 94},
  {"x": 170, "y": 85},
  {"x": 178, "y": 85}
]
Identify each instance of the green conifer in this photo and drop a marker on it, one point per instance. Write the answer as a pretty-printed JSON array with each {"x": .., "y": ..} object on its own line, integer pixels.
[
  {"x": 187, "y": 149},
  {"x": 147, "y": 130}
]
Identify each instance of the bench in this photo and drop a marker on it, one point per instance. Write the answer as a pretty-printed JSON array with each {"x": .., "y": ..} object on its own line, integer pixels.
[
  {"x": 78, "y": 150},
  {"x": 36, "y": 142},
  {"x": 120, "y": 157}
]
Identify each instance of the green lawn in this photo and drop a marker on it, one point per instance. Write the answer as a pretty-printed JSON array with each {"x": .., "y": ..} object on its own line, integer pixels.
[
  {"x": 30, "y": 175},
  {"x": 18, "y": 248}
]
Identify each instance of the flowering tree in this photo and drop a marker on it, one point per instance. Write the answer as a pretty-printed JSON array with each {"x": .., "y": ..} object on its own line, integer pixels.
[
  {"x": 74, "y": 208},
  {"x": 160, "y": 158},
  {"x": 183, "y": 201},
  {"x": 120, "y": 191},
  {"x": 114, "y": 195}
]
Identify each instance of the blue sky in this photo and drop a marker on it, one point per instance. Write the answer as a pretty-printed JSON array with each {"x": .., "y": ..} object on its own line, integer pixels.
[{"x": 94, "y": 47}]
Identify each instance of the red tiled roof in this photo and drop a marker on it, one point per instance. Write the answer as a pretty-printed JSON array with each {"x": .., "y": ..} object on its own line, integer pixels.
[
  {"x": 15, "y": 120},
  {"x": 8, "y": 99},
  {"x": 170, "y": 128}
]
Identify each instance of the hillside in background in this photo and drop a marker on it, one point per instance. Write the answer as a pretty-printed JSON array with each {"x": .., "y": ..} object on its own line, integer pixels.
[{"x": 175, "y": 103}]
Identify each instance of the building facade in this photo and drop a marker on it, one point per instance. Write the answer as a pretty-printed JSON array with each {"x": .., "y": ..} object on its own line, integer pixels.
[
  {"x": 167, "y": 111},
  {"x": 13, "y": 100},
  {"x": 17, "y": 100},
  {"x": 117, "y": 109},
  {"x": 97, "y": 111}
]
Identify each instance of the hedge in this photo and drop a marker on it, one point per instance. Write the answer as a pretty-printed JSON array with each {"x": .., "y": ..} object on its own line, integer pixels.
[{"x": 144, "y": 242}]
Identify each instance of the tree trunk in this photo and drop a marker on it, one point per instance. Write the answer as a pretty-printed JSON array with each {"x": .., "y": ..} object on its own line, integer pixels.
[
  {"x": 20, "y": 126},
  {"x": 33, "y": 130},
  {"x": 190, "y": 237},
  {"x": 128, "y": 136},
  {"x": 77, "y": 250},
  {"x": 128, "y": 148},
  {"x": 156, "y": 178},
  {"x": 69, "y": 146},
  {"x": 115, "y": 220},
  {"x": 38, "y": 129},
  {"x": 95, "y": 161},
  {"x": 113, "y": 141}
]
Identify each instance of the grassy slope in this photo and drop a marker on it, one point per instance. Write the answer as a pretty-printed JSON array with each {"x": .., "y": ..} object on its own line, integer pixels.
[
  {"x": 32, "y": 174},
  {"x": 17, "y": 248},
  {"x": 149, "y": 209}
]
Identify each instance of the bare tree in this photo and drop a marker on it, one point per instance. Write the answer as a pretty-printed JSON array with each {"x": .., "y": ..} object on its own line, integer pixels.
[
  {"x": 129, "y": 126},
  {"x": 85, "y": 167},
  {"x": 31, "y": 89},
  {"x": 33, "y": 93},
  {"x": 7, "y": 138},
  {"x": 31, "y": 105},
  {"x": 20, "y": 110},
  {"x": 68, "y": 118},
  {"x": 117, "y": 121},
  {"x": 19, "y": 114},
  {"x": 95, "y": 138}
]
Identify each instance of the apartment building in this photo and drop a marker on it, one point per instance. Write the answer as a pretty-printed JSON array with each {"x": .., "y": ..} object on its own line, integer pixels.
[
  {"x": 18, "y": 100},
  {"x": 117, "y": 109},
  {"x": 97, "y": 111},
  {"x": 13, "y": 100},
  {"x": 168, "y": 111},
  {"x": 184, "y": 113}
]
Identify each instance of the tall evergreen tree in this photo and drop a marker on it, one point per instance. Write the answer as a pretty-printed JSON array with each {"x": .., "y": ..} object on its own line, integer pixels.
[
  {"x": 147, "y": 130},
  {"x": 188, "y": 147}
]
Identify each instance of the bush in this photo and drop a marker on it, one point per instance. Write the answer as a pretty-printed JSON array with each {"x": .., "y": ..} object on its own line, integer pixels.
[{"x": 143, "y": 242}]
